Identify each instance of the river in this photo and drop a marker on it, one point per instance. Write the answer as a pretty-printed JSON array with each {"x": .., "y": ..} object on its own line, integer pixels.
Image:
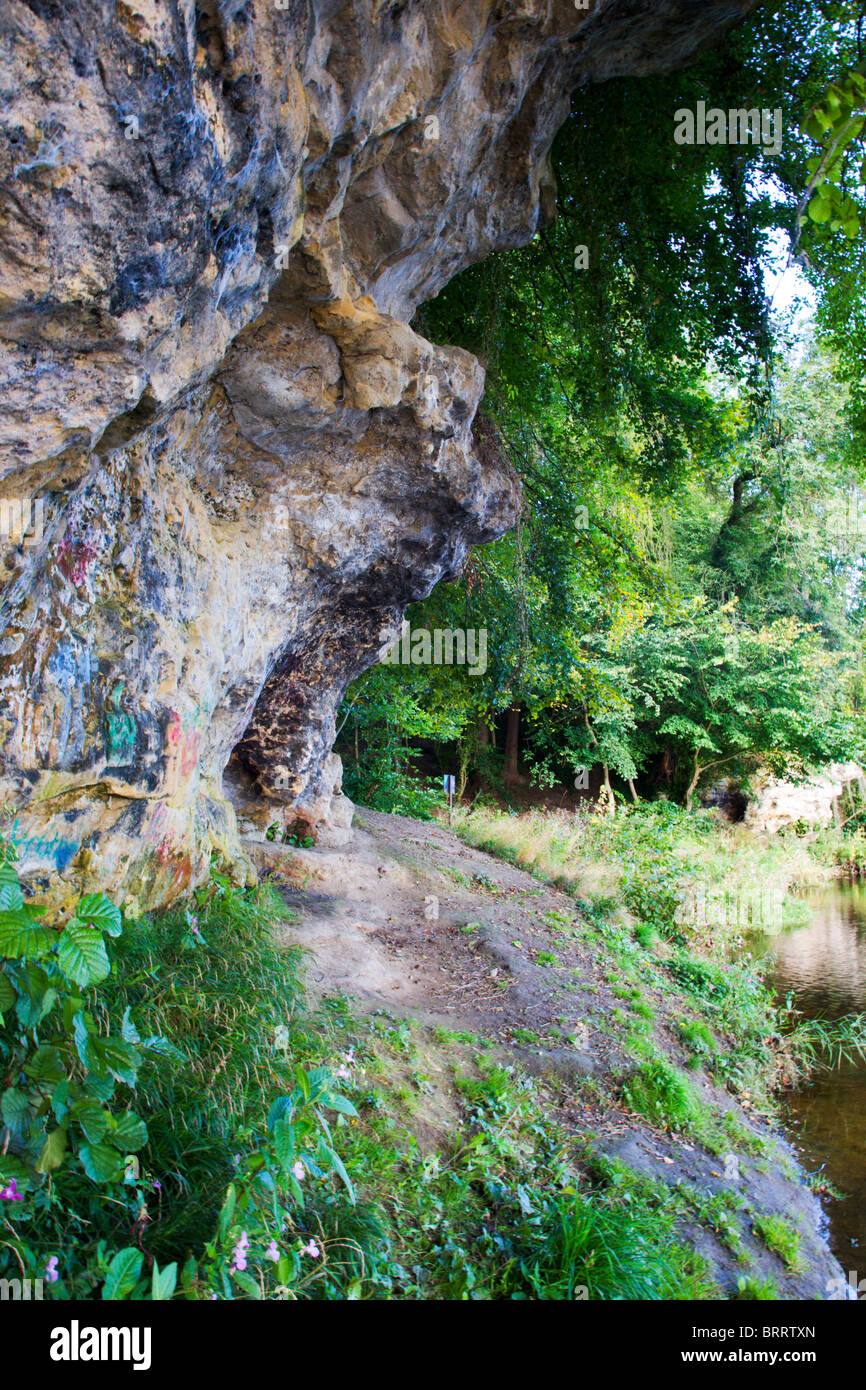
[{"x": 824, "y": 965}]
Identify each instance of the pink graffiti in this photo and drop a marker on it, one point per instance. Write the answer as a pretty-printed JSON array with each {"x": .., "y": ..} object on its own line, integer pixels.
[
  {"x": 75, "y": 558},
  {"x": 185, "y": 743}
]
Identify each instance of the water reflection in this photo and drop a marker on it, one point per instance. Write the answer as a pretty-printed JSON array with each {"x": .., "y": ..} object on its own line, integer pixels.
[{"x": 825, "y": 965}]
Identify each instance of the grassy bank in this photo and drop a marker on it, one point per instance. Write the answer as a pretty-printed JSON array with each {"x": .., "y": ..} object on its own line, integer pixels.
[
  {"x": 181, "y": 1120},
  {"x": 680, "y": 899},
  {"x": 278, "y": 1153}
]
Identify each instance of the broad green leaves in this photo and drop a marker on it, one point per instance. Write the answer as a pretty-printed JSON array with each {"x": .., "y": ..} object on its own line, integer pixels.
[
  {"x": 93, "y": 1119},
  {"x": 251, "y": 1228},
  {"x": 128, "y": 1132},
  {"x": 21, "y": 936},
  {"x": 72, "y": 1066},
  {"x": 163, "y": 1282},
  {"x": 100, "y": 912},
  {"x": 123, "y": 1278},
  {"x": 123, "y": 1274},
  {"x": 838, "y": 124},
  {"x": 7, "y": 993},
  {"x": 15, "y": 1111},
  {"x": 82, "y": 954},
  {"x": 11, "y": 896},
  {"x": 101, "y": 1162},
  {"x": 53, "y": 1151}
]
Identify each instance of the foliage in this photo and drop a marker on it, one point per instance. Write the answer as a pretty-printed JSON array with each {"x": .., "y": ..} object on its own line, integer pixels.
[
  {"x": 205, "y": 1176},
  {"x": 659, "y": 1093},
  {"x": 690, "y": 545},
  {"x": 381, "y": 725},
  {"x": 783, "y": 1238},
  {"x": 663, "y": 863},
  {"x": 67, "y": 1080}
]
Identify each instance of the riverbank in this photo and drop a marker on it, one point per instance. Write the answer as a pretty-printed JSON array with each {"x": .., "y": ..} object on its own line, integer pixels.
[
  {"x": 529, "y": 1094},
  {"x": 653, "y": 1063}
]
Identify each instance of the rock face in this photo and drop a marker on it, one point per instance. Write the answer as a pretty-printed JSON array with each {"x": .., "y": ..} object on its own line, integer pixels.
[
  {"x": 819, "y": 801},
  {"x": 234, "y": 461}
]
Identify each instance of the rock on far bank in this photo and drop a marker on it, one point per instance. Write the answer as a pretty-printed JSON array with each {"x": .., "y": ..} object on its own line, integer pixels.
[{"x": 819, "y": 801}]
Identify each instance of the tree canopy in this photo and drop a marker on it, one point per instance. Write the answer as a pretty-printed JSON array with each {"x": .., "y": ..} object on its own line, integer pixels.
[{"x": 682, "y": 597}]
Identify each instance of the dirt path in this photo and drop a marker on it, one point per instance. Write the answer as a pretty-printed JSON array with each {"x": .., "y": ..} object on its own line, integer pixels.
[{"x": 410, "y": 919}]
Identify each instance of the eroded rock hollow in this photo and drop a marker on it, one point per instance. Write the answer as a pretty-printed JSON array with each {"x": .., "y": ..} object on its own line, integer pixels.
[{"x": 228, "y": 463}]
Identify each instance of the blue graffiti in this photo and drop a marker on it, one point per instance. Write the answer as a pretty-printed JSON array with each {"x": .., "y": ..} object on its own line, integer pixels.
[{"x": 61, "y": 850}]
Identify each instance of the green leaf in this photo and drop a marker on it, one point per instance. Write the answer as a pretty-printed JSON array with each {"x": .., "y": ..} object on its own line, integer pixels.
[
  {"x": 330, "y": 1157},
  {"x": 7, "y": 993},
  {"x": 339, "y": 1103},
  {"x": 284, "y": 1142},
  {"x": 318, "y": 1078},
  {"x": 101, "y": 1087},
  {"x": 123, "y": 1274},
  {"x": 819, "y": 210},
  {"x": 228, "y": 1210},
  {"x": 45, "y": 1065},
  {"x": 247, "y": 1283},
  {"x": 117, "y": 1057},
  {"x": 163, "y": 1283},
  {"x": 129, "y": 1132},
  {"x": 53, "y": 1150},
  {"x": 92, "y": 1118},
  {"x": 101, "y": 1163},
  {"x": 162, "y": 1047},
  {"x": 82, "y": 954},
  {"x": 82, "y": 1033},
  {"x": 46, "y": 1003},
  {"x": 10, "y": 889},
  {"x": 60, "y": 1099},
  {"x": 128, "y": 1030},
  {"x": 21, "y": 937},
  {"x": 15, "y": 1110},
  {"x": 99, "y": 911},
  {"x": 281, "y": 1107}
]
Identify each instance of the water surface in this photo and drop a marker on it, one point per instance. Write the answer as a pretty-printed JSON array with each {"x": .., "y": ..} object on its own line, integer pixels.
[{"x": 824, "y": 965}]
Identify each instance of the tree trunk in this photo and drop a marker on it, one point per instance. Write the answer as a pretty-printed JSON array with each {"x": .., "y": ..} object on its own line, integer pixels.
[
  {"x": 611, "y": 799},
  {"x": 511, "y": 743},
  {"x": 692, "y": 784},
  {"x": 631, "y": 787}
]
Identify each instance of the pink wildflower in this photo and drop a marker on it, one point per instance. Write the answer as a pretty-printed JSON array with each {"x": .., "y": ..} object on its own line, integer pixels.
[{"x": 239, "y": 1254}]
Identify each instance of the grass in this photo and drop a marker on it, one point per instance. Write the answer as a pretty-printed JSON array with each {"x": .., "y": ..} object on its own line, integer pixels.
[
  {"x": 659, "y": 1093},
  {"x": 782, "y": 1238},
  {"x": 686, "y": 881},
  {"x": 591, "y": 855},
  {"x": 230, "y": 1000},
  {"x": 500, "y": 1212},
  {"x": 467, "y": 1186},
  {"x": 759, "y": 1290}
]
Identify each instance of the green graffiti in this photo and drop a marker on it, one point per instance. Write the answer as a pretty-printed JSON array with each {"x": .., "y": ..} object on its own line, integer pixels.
[{"x": 119, "y": 730}]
